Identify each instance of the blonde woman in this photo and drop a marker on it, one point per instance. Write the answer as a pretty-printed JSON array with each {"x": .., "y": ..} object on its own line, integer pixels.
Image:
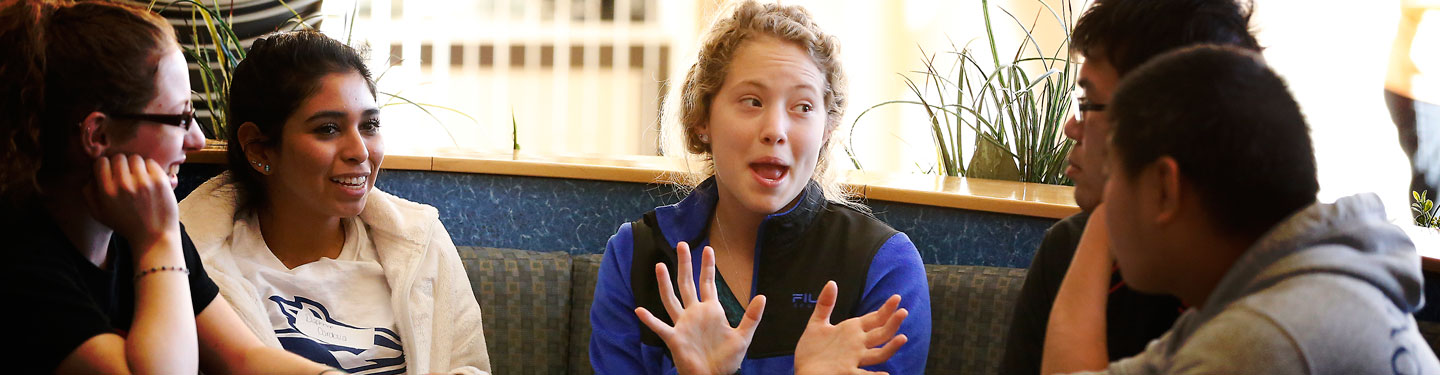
[{"x": 761, "y": 105}]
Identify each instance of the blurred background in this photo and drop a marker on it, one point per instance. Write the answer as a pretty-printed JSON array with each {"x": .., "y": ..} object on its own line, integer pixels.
[{"x": 595, "y": 77}]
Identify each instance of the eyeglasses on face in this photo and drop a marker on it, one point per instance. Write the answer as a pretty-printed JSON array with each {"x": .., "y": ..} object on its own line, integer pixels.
[
  {"x": 183, "y": 120},
  {"x": 1081, "y": 104}
]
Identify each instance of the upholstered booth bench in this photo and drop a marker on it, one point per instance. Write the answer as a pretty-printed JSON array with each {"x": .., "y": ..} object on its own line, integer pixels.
[
  {"x": 536, "y": 304},
  {"x": 536, "y": 308}
]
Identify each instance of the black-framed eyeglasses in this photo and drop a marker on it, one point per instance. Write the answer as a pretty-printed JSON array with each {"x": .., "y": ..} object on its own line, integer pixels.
[
  {"x": 1080, "y": 105},
  {"x": 183, "y": 120}
]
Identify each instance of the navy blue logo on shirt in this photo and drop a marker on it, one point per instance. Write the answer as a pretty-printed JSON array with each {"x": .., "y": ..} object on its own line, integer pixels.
[
  {"x": 315, "y": 335},
  {"x": 1403, "y": 361},
  {"x": 803, "y": 300}
]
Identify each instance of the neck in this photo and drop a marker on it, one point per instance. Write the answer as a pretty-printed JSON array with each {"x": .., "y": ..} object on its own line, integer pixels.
[
  {"x": 297, "y": 236},
  {"x": 733, "y": 228},
  {"x": 1215, "y": 254},
  {"x": 73, "y": 216}
]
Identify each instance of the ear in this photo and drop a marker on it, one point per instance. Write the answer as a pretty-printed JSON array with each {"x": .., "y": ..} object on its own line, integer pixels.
[
  {"x": 93, "y": 139},
  {"x": 1166, "y": 182},
  {"x": 703, "y": 128},
  {"x": 253, "y": 143}
]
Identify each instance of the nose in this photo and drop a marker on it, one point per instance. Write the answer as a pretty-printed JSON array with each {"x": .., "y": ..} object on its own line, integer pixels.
[
  {"x": 1074, "y": 129},
  {"x": 774, "y": 126},
  {"x": 194, "y": 139},
  {"x": 353, "y": 148}
]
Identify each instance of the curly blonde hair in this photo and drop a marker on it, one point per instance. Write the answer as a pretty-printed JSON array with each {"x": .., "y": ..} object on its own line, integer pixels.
[{"x": 746, "y": 20}]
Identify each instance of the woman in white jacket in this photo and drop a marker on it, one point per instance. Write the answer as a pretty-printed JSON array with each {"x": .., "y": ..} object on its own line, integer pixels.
[{"x": 311, "y": 256}]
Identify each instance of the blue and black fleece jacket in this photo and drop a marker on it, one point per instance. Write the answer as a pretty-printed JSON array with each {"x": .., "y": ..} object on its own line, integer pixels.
[{"x": 796, "y": 252}]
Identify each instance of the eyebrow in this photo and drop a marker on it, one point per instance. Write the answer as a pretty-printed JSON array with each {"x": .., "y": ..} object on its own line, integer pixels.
[
  {"x": 370, "y": 112},
  {"x": 761, "y": 85}
]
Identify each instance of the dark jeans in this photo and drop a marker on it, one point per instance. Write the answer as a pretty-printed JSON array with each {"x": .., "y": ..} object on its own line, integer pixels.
[{"x": 1419, "y": 126}]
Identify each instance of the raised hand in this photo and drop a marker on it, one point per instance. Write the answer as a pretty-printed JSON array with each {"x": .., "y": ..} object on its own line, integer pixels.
[
  {"x": 856, "y": 342},
  {"x": 701, "y": 342},
  {"x": 132, "y": 195}
]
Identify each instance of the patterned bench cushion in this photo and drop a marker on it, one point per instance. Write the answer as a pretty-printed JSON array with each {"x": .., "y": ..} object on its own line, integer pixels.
[
  {"x": 970, "y": 307},
  {"x": 525, "y": 302},
  {"x": 587, "y": 271}
]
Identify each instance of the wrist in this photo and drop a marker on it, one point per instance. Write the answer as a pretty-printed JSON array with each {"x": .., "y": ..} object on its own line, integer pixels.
[
  {"x": 146, "y": 236},
  {"x": 157, "y": 250}
]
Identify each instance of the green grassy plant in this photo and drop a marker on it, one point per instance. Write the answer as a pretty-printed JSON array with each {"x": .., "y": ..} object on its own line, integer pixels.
[
  {"x": 1006, "y": 107},
  {"x": 218, "y": 60}
]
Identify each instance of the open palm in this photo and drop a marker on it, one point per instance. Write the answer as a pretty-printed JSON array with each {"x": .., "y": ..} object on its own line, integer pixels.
[
  {"x": 701, "y": 341},
  {"x": 856, "y": 342}
]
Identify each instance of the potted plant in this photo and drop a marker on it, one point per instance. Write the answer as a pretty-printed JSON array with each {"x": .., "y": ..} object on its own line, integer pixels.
[
  {"x": 211, "y": 41},
  {"x": 1427, "y": 214},
  {"x": 1018, "y": 118},
  {"x": 209, "y": 38}
]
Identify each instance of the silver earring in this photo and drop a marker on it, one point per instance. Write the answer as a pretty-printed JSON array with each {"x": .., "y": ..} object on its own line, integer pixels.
[
  {"x": 266, "y": 167},
  {"x": 704, "y": 138}
]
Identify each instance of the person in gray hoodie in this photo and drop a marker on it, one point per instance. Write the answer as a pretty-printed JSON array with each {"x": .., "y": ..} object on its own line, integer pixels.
[{"x": 1212, "y": 199}]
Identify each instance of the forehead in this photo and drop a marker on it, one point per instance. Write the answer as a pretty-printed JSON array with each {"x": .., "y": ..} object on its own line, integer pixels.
[
  {"x": 172, "y": 77},
  {"x": 769, "y": 61},
  {"x": 339, "y": 94},
  {"x": 346, "y": 90},
  {"x": 1097, "y": 77}
]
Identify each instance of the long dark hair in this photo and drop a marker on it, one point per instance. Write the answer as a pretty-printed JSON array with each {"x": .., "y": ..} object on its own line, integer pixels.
[
  {"x": 278, "y": 74},
  {"x": 62, "y": 61}
]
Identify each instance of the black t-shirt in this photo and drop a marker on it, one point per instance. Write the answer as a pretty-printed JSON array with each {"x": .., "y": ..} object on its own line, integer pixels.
[
  {"x": 1132, "y": 319},
  {"x": 56, "y": 299}
]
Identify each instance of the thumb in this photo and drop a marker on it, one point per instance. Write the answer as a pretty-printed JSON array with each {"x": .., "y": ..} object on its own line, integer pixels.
[
  {"x": 752, "y": 317},
  {"x": 826, "y": 304}
]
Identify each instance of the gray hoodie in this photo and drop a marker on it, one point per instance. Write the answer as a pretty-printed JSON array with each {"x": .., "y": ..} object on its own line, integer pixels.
[{"x": 1330, "y": 290}]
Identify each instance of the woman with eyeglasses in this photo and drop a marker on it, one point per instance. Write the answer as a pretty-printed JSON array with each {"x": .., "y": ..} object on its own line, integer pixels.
[
  {"x": 314, "y": 258},
  {"x": 99, "y": 276}
]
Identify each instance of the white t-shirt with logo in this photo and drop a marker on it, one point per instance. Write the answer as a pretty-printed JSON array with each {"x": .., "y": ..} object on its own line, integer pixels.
[{"x": 332, "y": 311}]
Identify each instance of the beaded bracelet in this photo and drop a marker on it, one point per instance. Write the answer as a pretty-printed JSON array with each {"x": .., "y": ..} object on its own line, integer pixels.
[{"x": 161, "y": 269}]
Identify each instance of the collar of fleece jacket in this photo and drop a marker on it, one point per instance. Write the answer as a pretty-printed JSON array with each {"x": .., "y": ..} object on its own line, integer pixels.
[{"x": 688, "y": 218}]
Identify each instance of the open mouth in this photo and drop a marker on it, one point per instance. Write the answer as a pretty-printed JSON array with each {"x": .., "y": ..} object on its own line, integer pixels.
[
  {"x": 769, "y": 172},
  {"x": 355, "y": 182},
  {"x": 174, "y": 173}
]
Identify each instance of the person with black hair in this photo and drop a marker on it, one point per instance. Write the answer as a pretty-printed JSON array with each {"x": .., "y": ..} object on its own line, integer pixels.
[
  {"x": 1212, "y": 200},
  {"x": 99, "y": 275},
  {"x": 314, "y": 258},
  {"x": 1113, "y": 37}
]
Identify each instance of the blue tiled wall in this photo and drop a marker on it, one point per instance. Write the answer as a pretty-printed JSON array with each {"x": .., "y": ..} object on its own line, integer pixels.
[{"x": 578, "y": 216}]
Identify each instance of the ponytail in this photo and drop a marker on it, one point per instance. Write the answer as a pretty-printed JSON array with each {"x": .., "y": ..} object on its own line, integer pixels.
[
  {"x": 63, "y": 61},
  {"x": 22, "y": 79}
]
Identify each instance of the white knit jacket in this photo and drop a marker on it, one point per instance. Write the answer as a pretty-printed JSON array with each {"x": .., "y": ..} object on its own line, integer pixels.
[{"x": 435, "y": 309}]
